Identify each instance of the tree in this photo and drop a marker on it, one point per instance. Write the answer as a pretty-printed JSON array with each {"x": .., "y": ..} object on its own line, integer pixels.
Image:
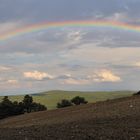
[
  {"x": 6, "y": 107},
  {"x": 138, "y": 93},
  {"x": 27, "y": 103},
  {"x": 38, "y": 107},
  {"x": 18, "y": 108},
  {"x": 64, "y": 103},
  {"x": 30, "y": 106},
  {"x": 79, "y": 100},
  {"x": 9, "y": 108}
]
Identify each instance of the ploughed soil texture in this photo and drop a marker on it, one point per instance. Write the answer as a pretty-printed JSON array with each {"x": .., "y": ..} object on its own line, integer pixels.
[{"x": 117, "y": 119}]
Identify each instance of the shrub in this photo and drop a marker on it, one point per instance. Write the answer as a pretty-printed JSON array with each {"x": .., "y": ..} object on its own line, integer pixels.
[
  {"x": 64, "y": 103},
  {"x": 79, "y": 100},
  {"x": 37, "y": 107},
  {"x": 138, "y": 93}
]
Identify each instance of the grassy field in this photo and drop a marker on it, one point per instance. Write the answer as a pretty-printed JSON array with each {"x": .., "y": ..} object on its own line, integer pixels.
[{"x": 51, "y": 98}]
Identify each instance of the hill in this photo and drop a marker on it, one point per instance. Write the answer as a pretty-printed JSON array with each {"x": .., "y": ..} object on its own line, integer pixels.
[
  {"x": 51, "y": 98},
  {"x": 117, "y": 119}
]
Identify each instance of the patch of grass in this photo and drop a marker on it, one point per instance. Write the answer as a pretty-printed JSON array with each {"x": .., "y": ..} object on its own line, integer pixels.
[{"x": 51, "y": 98}]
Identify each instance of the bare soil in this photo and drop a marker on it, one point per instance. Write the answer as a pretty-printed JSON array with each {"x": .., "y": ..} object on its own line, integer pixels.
[{"x": 117, "y": 119}]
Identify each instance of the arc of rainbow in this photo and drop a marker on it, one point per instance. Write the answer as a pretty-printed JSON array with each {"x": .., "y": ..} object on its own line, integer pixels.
[{"x": 47, "y": 25}]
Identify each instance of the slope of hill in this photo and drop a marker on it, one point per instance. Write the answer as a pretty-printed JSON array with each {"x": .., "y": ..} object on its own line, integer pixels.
[
  {"x": 51, "y": 98},
  {"x": 117, "y": 119}
]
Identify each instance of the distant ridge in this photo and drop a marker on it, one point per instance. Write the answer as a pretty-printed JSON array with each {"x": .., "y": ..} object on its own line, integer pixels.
[{"x": 71, "y": 91}]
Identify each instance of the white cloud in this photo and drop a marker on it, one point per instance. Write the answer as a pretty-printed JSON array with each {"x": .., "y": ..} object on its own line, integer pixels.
[
  {"x": 72, "y": 81},
  {"x": 36, "y": 75},
  {"x": 12, "y": 81},
  {"x": 100, "y": 54},
  {"x": 137, "y": 64},
  {"x": 104, "y": 76},
  {"x": 4, "y": 68},
  {"x": 67, "y": 75},
  {"x": 64, "y": 76},
  {"x": 118, "y": 17},
  {"x": 75, "y": 36}
]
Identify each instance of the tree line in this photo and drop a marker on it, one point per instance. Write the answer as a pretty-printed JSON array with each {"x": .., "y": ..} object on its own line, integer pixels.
[
  {"x": 27, "y": 105},
  {"x": 9, "y": 108}
]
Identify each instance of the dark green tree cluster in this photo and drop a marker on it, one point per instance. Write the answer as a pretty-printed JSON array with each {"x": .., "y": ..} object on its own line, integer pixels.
[
  {"x": 9, "y": 108},
  {"x": 79, "y": 100},
  {"x": 64, "y": 103},
  {"x": 75, "y": 101},
  {"x": 30, "y": 106},
  {"x": 138, "y": 93}
]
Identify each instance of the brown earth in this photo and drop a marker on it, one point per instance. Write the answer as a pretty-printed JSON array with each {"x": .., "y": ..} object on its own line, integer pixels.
[{"x": 117, "y": 119}]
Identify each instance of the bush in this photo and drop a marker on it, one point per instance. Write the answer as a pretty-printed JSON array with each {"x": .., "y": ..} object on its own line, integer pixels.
[
  {"x": 138, "y": 93},
  {"x": 37, "y": 107},
  {"x": 64, "y": 103},
  {"x": 79, "y": 100},
  {"x": 76, "y": 100}
]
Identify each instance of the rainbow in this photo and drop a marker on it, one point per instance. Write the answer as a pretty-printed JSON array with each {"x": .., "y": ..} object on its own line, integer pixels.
[{"x": 47, "y": 25}]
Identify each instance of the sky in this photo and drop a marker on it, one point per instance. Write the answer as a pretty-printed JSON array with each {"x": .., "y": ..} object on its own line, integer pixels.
[{"x": 69, "y": 58}]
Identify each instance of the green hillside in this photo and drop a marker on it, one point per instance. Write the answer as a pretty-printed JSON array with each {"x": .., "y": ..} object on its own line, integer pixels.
[{"x": 51, "y": 98}]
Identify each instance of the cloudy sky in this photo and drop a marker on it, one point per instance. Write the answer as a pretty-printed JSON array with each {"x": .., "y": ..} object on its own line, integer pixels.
[{"x": 69, "y": 58}]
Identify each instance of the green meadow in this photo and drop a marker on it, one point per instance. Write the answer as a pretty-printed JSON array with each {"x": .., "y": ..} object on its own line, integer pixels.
[{"x": 51, "y": 98}]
